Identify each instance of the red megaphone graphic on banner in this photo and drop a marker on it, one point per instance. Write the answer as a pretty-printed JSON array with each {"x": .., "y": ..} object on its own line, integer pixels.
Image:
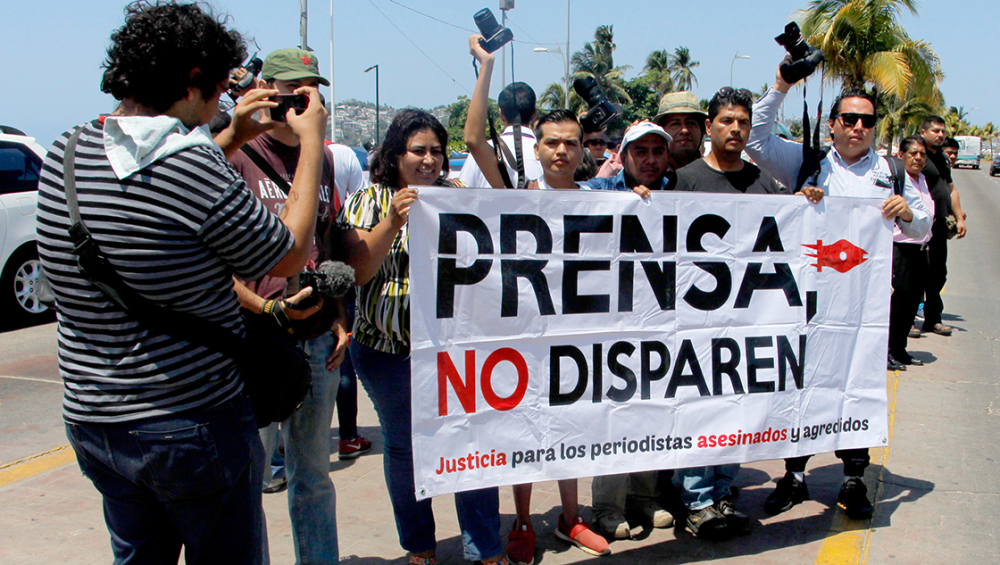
[{"x": 841, "y": 256}]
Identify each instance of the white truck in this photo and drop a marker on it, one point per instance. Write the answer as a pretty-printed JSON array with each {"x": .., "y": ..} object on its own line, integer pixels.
[{"x": 969, "y": 148}]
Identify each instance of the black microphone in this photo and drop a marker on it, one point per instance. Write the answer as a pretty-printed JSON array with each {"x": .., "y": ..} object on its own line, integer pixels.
[{"x": 332, "y": 279}]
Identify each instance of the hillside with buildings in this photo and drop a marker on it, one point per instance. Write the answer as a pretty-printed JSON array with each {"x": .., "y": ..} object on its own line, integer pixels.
[{"x": 355, "y": 121}]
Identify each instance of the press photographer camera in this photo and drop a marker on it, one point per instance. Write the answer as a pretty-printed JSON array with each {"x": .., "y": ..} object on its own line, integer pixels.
[
  {"x": 802, "y": 58},
  {"x": 252, "y": 69},
  {"x": 495, "y": 36},
  {"x": 601, "y": 110}
]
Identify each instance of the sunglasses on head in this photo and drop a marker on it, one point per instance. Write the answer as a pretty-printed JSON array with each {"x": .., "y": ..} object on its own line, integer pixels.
[
  {"x": 739, "y": 95},
  {"x": 850, "y": 119}
]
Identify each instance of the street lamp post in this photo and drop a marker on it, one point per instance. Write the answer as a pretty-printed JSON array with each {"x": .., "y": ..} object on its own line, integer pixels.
[
  {"x": 566, "y": 76},
  {"x": 376, "y": 102},
  {"x": 736, "y": 56}
]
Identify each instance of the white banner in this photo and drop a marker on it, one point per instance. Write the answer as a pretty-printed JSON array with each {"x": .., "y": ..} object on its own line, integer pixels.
[{"x": 562, "y": 334}]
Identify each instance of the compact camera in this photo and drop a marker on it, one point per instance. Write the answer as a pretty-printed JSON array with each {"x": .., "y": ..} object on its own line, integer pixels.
[
  {"x": 495, "y": 36},
  {"x": 601, "y": 110},
  {"x": 285, "y": 102},
  {"x": 802, "y": 57}
]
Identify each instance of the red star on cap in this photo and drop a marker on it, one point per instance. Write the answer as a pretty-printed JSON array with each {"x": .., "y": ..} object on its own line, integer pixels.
[{"x": 306, "y": 60}]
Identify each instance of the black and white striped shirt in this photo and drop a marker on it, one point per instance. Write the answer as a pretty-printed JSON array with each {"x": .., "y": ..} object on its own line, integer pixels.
[{"x": 176, "y": 232}]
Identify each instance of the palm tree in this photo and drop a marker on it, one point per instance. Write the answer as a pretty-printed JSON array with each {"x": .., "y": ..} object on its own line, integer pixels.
[
  {"x": 658, "y": 68},
  {"x": 681, "y": 67},
  {"x": 955, "y": 122},
  {"x": 959, "y": 112},
  {"x": 864, "y": 44},
  {"x": 596, "y": 60},
  {"x": 554, "y": 96},
  {"x": 901, "y": 117}
]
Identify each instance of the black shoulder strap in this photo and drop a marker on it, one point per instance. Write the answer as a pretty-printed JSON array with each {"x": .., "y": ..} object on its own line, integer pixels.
[
  {"x": 499, "y": 149},
  {"x": 265, "y": 167},
  {"x": 519, "y": 153},
  {"x": 898, "y": 170},
  {"x": 96, "y": 268}
]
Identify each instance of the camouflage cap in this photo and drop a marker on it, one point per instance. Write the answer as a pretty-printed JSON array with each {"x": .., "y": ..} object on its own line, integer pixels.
[
  {"x": 683, "y": 102},
  {"x": 292, "y": 64}
]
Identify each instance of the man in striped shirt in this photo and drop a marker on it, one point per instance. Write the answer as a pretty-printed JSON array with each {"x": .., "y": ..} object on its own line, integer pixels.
[{"x": 160, "y": 424}]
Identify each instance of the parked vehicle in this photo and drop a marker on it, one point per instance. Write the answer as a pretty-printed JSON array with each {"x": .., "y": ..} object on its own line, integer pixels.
[
  {"x": 20, "y": 166},
  {"x": 455, "y": 163},
  {"x": 362, "y": 155},
  {"x": 969, "y": 148}
]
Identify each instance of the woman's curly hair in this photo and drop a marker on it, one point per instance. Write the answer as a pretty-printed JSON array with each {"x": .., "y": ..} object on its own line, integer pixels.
[
  {"x": 151, "y": 57},
  {"x": 385, "y": 165}
]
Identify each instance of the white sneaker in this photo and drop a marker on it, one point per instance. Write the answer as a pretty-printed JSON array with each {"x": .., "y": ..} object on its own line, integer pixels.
[
  {"x": 655, "y": 513},
  {"x": 614, "y": 525}
]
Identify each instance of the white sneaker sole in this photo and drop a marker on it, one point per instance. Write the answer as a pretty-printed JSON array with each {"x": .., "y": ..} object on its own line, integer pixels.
[{"x": 571, "y": 541}]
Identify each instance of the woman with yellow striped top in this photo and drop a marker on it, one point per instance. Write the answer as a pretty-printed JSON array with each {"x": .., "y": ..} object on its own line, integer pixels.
[{"x": 413, "y": 154}]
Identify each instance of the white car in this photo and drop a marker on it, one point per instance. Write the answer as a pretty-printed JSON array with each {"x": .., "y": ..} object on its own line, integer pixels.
[{"x": 20, "y": 166}]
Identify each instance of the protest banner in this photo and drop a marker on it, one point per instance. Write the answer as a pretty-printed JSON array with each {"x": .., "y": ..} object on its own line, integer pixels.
[{"x": 562, "y": 334}]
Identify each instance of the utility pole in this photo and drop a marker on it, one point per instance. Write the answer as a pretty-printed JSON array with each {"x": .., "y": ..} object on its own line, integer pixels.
[
  {"x": 504, "y": 6},
  {"x": 304, "y": 23},
  {"x": 333, "y": 95},
  {"x": 566, "y": 101}
]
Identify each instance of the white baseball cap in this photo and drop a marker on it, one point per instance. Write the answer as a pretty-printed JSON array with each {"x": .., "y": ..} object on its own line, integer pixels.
[{"x": 644, "y": 128}]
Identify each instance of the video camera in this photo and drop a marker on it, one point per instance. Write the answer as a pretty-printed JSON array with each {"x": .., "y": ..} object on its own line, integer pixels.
[
  {"x": 802, "y": 57},
  {"x": 495, "y": 36},
  {"x": 253, "y": 67},
  {"x": 601, "y": 111}
]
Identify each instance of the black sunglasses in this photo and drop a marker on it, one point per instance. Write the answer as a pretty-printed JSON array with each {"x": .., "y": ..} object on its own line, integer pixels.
[
  {"x": 590, "y": 142},
  {"x": 850, "y": 119},
  {"x": 739, "y": 95}
]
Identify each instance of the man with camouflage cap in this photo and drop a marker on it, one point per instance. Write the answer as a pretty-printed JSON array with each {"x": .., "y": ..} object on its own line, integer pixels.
[
  {"x": 681, "y": 116},
  {"x": 311, "y": 494}
]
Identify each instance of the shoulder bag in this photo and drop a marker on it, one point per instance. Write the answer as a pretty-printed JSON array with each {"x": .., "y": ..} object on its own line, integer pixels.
[{"x": 275, "y": 371}]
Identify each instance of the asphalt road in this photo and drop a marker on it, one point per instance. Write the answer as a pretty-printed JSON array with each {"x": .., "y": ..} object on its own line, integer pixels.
[{"x": 936, "y": 482}]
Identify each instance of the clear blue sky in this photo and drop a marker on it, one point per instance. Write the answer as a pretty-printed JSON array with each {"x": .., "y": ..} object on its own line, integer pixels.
[{"x": 52, "y": 49}]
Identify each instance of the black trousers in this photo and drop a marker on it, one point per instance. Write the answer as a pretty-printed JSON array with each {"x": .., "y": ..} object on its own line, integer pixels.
[
  {"x": 909, "y": 278},
  {"x": 937, "y": 272},
  {"x": 855, "y": 462}
]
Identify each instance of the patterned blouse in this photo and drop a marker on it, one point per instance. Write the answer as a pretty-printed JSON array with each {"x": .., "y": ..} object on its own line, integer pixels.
[{"x": 382, "y": 321}]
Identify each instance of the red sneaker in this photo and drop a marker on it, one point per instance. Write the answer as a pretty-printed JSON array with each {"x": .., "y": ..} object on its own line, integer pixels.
[
  {"x": 351, "y": 448},
  {"x": 583, "y": 537},
  {"x": 521, "y": 544}
]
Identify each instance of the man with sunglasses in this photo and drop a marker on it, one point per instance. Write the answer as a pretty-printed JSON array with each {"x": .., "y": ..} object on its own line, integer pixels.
[
  {"x": 597, "y": 143},
  {"x": 851, "y": 168}
]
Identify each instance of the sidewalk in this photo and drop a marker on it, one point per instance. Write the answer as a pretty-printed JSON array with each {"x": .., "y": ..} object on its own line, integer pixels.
[{"x": 55, "y": 516}]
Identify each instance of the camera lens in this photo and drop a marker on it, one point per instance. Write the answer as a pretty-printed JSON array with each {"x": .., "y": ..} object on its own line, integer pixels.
[
  {"x": 487, "y": 23},
  {"x": 589, "y": 90}
]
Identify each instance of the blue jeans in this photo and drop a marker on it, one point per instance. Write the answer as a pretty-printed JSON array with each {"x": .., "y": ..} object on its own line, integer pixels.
[
  {"x": 704, "y": 486},
  {"x": 386, "y": 377},
  {"x": 189, "y": 480},
  {"x": 312, "y": 500},
  {"x": 347, "y": 400}
]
